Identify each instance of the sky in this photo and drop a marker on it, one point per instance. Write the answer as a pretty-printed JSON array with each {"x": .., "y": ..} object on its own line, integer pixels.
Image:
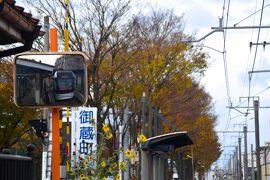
[
  {"x": 239, "y": 59},
  {"x": 199, "y": 17}
]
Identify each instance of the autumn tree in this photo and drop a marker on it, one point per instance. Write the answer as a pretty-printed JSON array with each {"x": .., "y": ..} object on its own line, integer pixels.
[
  {"x": 135, "y": 54},
  {"x": 13, "y": 120},
  {"x": 99, "y": 29},
  {"x": 191, "y": 109},
  {"x": 166, "y": 70}
]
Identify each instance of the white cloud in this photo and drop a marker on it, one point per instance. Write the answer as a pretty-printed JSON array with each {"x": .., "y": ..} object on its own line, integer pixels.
[{"x": 200, "y": 16}]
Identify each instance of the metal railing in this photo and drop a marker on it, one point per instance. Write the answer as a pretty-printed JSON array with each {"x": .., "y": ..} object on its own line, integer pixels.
[{"x": 14, "y": 167}]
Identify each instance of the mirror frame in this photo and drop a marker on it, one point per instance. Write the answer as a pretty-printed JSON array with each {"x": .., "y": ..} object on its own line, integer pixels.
[{"x": 86, "y": 60}]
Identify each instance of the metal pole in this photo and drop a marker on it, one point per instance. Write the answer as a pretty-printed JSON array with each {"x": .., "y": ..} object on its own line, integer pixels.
[
  {"x": 46, "y": 35},
  {"x": 230, "y": 166},
  {"x": 257, "y": 138},
  {"x": 144, "y": 165},
  {"x": 245, "y": 154},
  {"x": 240, "y": 159},
  {"x": 121, "y": 158},
  {"x": 143, "y": 113},
  {"x": 233, "y": 166},
  {"x": 241, "y": 27},
  {"x": 156, "y": 122},
  {"x": 150, "y": 121},
  {"x": 144, "y": 159},
  {"x": 162, "y": 166},
  {"x": 46, "y": 154},
  {"x": 126, "y": 142},
  {"x": 252, "y": 163},
  {"x": 236, "y": 163}
]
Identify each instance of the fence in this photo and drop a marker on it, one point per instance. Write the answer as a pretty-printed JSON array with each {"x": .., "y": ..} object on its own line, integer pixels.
[{"x": 14, "y": 167}]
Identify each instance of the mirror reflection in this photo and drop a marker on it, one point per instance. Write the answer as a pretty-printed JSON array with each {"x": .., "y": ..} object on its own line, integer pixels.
[{"x": 50, "y": 80}]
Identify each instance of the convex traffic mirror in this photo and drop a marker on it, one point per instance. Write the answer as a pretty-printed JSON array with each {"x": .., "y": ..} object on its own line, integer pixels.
[{"x": 50, "y": 79}]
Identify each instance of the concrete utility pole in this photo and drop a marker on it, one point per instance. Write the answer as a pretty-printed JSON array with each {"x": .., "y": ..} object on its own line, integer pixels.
[
  {"x": 236, "y": 163},
  {"x": 257, "y": 138},
  {"x": 240, "y": 159},
  {"x": 252, "y": 163},
  {"x": 245, "y": 154}
]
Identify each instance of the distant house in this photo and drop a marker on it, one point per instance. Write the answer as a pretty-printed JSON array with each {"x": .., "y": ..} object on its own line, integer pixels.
[
  {"x": 265, "y": 161},
  {"x": 16, "y": 26}
]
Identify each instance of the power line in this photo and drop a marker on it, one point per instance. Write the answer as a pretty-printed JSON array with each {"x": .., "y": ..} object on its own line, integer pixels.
[
  {"x": 260, "y": 61},
  {"x": 225, "y": 56},
  {"x": 258, "y": 37},
  {"x": 251, "y": 14},
  {"x": 255, "y": 55},
  {"x": 226, "y": 65}
]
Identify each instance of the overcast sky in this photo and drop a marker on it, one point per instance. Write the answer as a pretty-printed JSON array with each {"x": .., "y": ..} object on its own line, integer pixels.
[{"x": 199, "y": 17}]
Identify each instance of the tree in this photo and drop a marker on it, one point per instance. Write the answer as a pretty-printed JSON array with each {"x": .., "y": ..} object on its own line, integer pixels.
[
  {"x": 192, "y": 111},
  {"x": 166, "y": 69},
  {"x": 134, "y": 54},
  {"x": 98, "y": 29},
  {"x": 13, "y": 120}
]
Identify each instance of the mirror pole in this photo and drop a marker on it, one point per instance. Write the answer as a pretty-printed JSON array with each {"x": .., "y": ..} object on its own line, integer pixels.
[
  {"x": 55, "y": 120},
  {"x": 47, "y": 149}
]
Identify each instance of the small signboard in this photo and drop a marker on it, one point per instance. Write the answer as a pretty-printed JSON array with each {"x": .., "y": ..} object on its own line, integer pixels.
[{"x": 84, "y": 131}]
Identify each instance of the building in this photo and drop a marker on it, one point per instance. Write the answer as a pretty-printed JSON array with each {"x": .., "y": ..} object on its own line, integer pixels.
[
  {"x": 16, "y": 26},
  {"x": 265, "y": 161}
]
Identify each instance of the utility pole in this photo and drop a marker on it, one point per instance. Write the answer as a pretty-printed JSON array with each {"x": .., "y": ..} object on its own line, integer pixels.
[
  {"x": 257, "y": 138},
  {"x": 240, "y": 159},
  {"x": 236, "y": 163},
  {"x": 239, "y": 166},
  {"x": 245, "y": 154},
  {"x": 252, "y": 163}
]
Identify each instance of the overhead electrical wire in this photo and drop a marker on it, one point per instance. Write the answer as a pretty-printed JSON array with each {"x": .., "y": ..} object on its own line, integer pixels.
[
  {"x": 225, "y": 56},
  {"x": 256, "y": 49},
  {"x": 256, "y": 77},
  {"x": 225, "y": 63},
  {"x": 260, "y": 60},
  {"x": 249, "y": 54},
  {"x": 225, "y": 59},
  {"x": 251, "y": 14},
  {"x": 255, "y": 56},
  {"x": 226, "y": 67}
]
